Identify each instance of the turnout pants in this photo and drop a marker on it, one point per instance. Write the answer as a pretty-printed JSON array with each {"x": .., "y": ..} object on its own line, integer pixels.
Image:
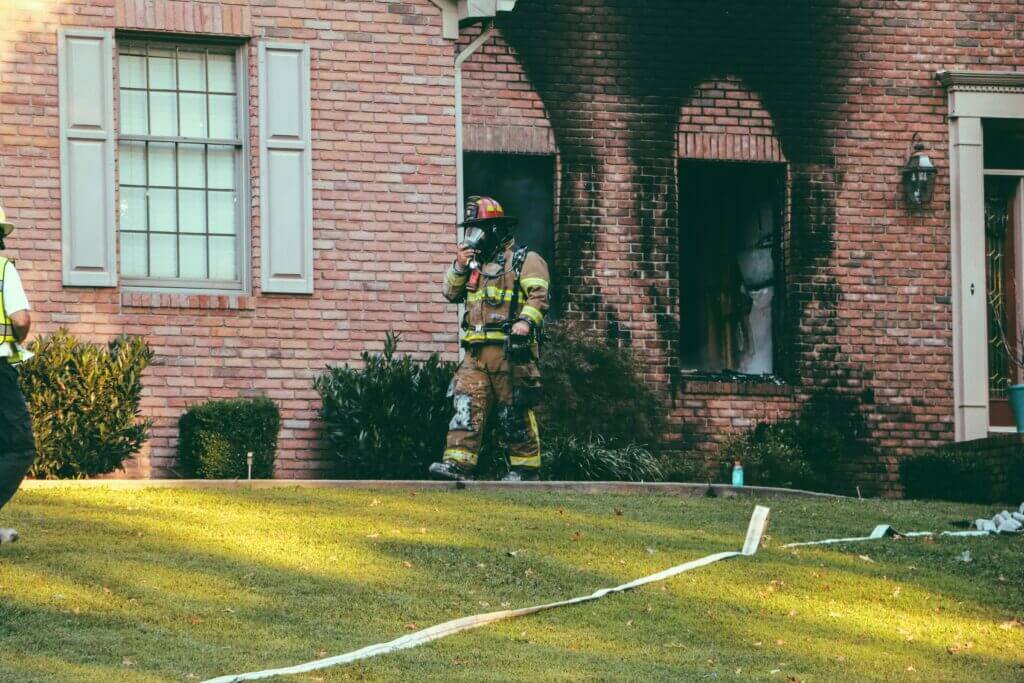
[
  {"x": 17, "y": 447},
  {"x": 487, "y": 386}
]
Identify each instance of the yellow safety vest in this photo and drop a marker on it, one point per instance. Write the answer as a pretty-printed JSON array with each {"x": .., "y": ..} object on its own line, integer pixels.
[{"x": 6, "y": 325}]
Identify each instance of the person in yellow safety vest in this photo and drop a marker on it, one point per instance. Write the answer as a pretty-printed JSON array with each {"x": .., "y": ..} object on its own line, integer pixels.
[
  {"x": 17, "y": 446},
  {"x": 504, "y": 287}
]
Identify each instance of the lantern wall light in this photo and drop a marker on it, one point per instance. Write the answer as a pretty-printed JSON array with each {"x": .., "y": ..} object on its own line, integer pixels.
[{"x": 919, "y": 176}]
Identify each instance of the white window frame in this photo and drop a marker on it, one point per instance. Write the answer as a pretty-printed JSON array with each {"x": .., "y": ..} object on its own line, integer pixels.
[{"x": 243, "y": 255}]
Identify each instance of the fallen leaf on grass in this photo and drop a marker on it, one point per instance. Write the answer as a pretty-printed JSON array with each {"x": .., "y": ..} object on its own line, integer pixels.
[
  {"x": 127, "y": 661},
  {"x": 953, "y": 649},
  {"x": 411, "y": 627},
  {"x": 374, "y": 503},
  {"x": 195, "y": 620},
  {"x": 1016, "y": 622},
  {"x": 577, "y": 535},
  {"x": 866, "y": 558},
  {"x": 407, "y": 564},
  {"x": 320, "y": 654},
  {"x": 373, "y": 535},
  {"x": 618, "y": 511}
]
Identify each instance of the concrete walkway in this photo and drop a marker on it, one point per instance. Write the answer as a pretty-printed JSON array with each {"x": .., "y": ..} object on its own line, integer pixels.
[{"x": 664, "y": 488}]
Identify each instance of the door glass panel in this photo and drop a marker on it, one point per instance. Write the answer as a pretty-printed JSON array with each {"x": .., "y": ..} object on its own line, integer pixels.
[{"x": 1001, "y": 294}]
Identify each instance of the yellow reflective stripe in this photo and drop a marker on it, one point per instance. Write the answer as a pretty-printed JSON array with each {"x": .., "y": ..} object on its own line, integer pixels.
[
  {"x": 529, "y": 283},
  {"x": 460, "y": 455},
  {"x": 532, "y": 314},
  {"x": 491, "y": 293},
  {"x": 534, "y": 459},
  {"x": 472, "y": 336},
  {"x": 525, "y": 461}
]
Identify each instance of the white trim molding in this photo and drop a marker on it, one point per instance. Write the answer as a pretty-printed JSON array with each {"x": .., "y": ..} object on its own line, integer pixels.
[
  {"x": 455, "y": 11},
  {"x": 973, "y": 96}
]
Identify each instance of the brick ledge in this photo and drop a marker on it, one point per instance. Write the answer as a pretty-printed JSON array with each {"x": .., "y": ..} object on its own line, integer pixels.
[{"x": 212, "y": 302}]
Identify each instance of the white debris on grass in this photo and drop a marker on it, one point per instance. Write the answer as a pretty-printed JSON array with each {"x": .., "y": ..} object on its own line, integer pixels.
[{"x": 1005, "y": 522}]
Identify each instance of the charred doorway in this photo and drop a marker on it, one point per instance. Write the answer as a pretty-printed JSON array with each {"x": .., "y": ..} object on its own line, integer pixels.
[
  {"x": 524, "y": 184},
  {"x": 730, "y": 282}
]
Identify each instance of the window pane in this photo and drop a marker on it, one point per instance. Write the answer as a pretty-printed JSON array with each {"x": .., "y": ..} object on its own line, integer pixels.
[
  {"x": 222, "y": 167},
  {"x": 193, "y": 257},
  {"x": 163, "y": 113},
  {"x": 133, "y": 208},
  {"x": 134, "y": 118},
  {"x": 222, "y": 117},
  {"x": 222, "y": 73},
  {"x": 132, "y": 163},
  {"x": 161, "y": 164},
  {"x": 222, "y": 258},
  {"x": 191, "y": 169},
  {"x": 163, "y": 213},
  {"x": 163, "y": 256},
  {"x": 131, "y": 71},
  {"x": 161, "y": 70},
  {"x": 222, "y": 212},
  {"x": 193, "y": 115},
  {"x": 133, "y": 255},
  {"x": 191, "y": 71},
  {"x": 192, "y": 206}
]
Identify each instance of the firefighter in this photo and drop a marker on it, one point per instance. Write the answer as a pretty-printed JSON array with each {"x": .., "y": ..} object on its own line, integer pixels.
[
  {"x": 504, "y": 287},
  {"x": 17, "y": 446}
]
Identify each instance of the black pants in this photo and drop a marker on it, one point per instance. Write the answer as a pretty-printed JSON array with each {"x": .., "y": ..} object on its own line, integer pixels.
[{"x": 17, "y": 447}]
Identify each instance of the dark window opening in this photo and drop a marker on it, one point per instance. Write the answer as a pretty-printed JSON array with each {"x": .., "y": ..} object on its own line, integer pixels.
[
  {"x": 1004, "y": 144},
  {"x": 524, "y": 185},
  {"x": 730, "y": 223}
]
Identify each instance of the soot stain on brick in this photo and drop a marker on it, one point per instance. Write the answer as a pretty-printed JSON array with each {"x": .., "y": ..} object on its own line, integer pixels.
[{"x": 614, "y": 88}]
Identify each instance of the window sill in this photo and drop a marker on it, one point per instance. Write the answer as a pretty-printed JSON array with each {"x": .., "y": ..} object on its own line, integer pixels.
[
  {"x": 732, "y": 386},
  {"x": 211, "y": 302}
]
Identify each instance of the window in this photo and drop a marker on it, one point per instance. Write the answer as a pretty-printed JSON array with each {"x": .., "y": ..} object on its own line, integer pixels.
[
  {"x": 730, "y": 265},
  {"x": 180, "y": 160},
  {"x": 524, "y": 184}
]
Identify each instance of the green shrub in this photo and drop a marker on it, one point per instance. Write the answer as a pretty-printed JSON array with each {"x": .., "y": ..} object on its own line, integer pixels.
[
  {"x": 592, "y": 389},
  {"x": 387, "y": 419},
  {"x": 215, "y": 437},
  {"x": 84, "y": 400},
  {"x": 771, "y": 456},
  {"x": 805, "y": 452},
  {"x": 949, "y": 475},
  {"x": 568, "y": 458},
  {"x": 683, "y": 467}
]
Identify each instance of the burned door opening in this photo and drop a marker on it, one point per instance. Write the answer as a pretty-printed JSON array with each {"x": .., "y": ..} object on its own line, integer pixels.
[
  {"x": 524, "y": 184},
  {"x": 730, "y": 217}
]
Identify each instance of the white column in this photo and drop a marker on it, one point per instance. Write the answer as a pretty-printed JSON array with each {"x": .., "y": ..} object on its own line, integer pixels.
[{"x": 970, "y": 324}]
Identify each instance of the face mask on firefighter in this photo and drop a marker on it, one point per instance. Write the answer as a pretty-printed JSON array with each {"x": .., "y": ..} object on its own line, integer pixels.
[{"x": 484, "y": 239}]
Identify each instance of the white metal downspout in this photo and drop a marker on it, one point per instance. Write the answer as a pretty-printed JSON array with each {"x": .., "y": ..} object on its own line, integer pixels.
[{"x": 460, "y": 180}]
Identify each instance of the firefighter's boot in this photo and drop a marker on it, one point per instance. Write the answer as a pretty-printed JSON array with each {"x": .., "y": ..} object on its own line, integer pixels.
[
  {"x": 522, "y": 474},
  {"x": 446, "y": 469}
]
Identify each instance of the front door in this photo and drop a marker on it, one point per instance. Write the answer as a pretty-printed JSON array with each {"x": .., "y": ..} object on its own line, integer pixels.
[{"x": 1002, "y": 259}]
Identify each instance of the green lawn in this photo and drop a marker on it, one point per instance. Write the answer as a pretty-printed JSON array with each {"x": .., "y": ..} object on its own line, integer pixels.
[{"x": 175, "y": 585}]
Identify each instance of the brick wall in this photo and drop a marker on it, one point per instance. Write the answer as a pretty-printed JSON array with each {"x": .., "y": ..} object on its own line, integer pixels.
[
  {"x": 383, "y": 165},
  {"x": 621, "y": 90},
  {"x": 836, "y": 90}
]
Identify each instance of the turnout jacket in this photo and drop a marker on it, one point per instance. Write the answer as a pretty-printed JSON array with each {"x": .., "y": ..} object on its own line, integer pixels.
[{"x": 487, "y": 309}]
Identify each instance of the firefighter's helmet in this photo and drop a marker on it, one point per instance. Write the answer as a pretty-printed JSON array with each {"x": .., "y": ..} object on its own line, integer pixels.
[
  {"x": 6, "y": 228},
  {"x": 484, "y": 209}
]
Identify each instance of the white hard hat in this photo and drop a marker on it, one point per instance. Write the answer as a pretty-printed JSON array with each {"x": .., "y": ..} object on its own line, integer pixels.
[{"x": 6, "y": 228}]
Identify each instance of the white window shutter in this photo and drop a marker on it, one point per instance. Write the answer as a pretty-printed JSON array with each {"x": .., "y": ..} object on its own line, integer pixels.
[
  {"x": 86, "y": 80},
  {"x": 286, "y": 169}
]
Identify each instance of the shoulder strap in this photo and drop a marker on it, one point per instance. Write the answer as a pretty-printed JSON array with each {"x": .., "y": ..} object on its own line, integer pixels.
[{"x": 518, "y": 259}]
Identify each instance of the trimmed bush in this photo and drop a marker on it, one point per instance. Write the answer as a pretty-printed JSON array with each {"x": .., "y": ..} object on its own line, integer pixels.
[
  {"x": 593, "y": 389},
  {"x": 805, "y": 452},
  {"x": 568, "y": 458},
  {"x": 953, "y": 476},
  {"x": 214, "y": 438},
  {"x": 85, "y": 404},
  {"x": 387, "y": 419}
]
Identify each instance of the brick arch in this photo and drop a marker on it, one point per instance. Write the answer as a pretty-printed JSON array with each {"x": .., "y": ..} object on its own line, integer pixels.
[{"x": 723, "y": 118}]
